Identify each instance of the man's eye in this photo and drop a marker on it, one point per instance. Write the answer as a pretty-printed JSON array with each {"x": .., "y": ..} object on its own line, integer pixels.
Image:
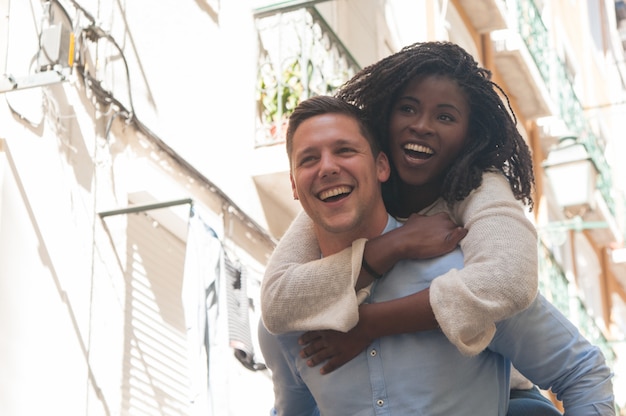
[
  {"x": 307, "y": 160},
  {"x": 346, "y": 151}
]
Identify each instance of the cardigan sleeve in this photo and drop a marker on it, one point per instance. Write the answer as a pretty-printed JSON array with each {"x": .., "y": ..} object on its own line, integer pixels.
[
  {"x": 301, "y": 291},
  {"x": 500, "y": 276}
]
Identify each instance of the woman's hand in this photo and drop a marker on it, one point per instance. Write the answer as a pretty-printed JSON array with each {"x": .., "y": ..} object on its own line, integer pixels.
[
  {"x": 334, "y": 347},
  {"x": 429, "y": 236},
  {"x": 421, "y": 237}
]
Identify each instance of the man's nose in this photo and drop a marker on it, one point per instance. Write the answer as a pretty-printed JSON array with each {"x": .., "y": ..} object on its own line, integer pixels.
[{"x": 328, "y": 166}]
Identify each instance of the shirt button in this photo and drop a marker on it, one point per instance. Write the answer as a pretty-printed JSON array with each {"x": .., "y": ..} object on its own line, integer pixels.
[
  {"x": 380, "y": 402},
  {"x": 373, "y": 353}
]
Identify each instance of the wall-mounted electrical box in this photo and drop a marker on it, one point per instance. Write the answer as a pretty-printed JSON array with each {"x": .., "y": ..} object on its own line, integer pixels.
[
  {"x": 56, "y": 48},
  {"x": 55, "y": 59}
]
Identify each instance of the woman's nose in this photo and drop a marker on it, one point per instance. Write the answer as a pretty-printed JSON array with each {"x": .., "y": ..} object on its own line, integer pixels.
[{"x": 422, "y": 125}]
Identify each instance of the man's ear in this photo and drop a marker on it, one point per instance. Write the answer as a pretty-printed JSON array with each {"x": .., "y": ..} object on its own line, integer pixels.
[
  {"x": 382, "y": 167},
  {"x": 293, "y": 188}
]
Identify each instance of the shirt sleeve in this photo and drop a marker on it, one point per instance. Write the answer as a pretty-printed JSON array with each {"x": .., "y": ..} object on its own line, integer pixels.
[
  {"x": 302, "y": 292},
  {"x": 499, "y": 278},
  {"x": 291, "y": 395},
  {"x": 548, "y": 349}
]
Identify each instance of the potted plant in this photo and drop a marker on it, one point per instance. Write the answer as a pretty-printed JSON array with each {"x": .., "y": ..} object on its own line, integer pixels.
[{"x": 279, "y": 96}]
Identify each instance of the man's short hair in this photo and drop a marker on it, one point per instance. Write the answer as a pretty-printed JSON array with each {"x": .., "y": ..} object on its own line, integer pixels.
[{"x": 324, "y": 104}]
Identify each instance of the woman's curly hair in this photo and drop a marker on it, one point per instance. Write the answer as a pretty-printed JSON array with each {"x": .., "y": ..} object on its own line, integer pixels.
[{"x": 494, "y": 143}]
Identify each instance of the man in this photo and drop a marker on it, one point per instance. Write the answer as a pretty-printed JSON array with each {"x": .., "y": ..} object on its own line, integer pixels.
[{"x": 336, "y": 172}]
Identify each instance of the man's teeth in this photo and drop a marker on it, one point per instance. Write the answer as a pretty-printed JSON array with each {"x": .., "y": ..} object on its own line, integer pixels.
[
  {"x": 334, "y": 192},
  {"x": 418, "y": 148}
]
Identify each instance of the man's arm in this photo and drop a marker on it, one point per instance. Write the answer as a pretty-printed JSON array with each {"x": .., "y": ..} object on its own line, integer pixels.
[
  {"x": 291, "y": 395},
  {"x": 548, "y": 349}
]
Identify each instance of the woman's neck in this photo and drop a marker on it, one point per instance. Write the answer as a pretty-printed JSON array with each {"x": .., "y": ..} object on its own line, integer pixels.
[{"x": 412, "y": 199}]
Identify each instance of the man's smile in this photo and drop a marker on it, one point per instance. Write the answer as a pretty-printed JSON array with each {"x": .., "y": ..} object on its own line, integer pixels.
[{"x": 335, "y": 193}]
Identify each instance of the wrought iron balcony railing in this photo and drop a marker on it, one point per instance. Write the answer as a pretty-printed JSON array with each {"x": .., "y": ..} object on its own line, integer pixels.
[
  {"x": 529, "y": 24},
  {"x": 299, "y": 56},
  {"x": 555, "y": 287}
]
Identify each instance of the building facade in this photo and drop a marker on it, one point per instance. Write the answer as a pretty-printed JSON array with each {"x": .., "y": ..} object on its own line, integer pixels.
[{"x": 144, "y": 181}]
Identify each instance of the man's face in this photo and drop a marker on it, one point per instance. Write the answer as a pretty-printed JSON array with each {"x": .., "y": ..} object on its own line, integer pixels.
[{"x": 335, "y": 176}]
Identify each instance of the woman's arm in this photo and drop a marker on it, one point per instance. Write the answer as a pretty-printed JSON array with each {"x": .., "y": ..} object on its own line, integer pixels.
[
  {"x": 421, "y": 237},
  {"x": 302, "y": 292},
  {"x": 408, "y": 314},
  {"x": 499, "y": 278}
]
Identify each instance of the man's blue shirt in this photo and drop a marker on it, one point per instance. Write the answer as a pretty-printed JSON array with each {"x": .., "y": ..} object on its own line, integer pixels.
[{"x": 422, "y": 373}]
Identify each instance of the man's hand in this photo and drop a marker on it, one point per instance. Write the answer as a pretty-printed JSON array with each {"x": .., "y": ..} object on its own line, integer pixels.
[{"x": 337, "y": 348}]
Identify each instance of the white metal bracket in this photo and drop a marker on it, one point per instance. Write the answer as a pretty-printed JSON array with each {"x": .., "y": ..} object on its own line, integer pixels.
[{"x": 10, "y": 83}]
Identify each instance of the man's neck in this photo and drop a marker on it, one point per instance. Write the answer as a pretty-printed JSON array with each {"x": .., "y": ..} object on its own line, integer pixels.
[{"x": 332, "y": 243}]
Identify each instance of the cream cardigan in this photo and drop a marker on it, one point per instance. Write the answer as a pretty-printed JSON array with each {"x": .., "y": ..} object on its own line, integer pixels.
[{"x": 302, "y": 292}]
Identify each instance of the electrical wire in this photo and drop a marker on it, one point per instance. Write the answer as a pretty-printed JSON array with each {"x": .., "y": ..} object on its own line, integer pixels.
[{"x": 94, "y": 33}]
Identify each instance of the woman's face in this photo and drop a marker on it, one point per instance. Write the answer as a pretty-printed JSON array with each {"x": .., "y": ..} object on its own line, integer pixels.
[{"x": 428, "y": 127}]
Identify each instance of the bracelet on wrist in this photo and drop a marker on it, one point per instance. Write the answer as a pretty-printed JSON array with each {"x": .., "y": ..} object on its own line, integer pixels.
[{"x": 369, "y": 269}]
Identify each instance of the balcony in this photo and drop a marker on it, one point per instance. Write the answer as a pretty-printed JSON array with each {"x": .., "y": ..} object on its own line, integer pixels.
[
  {"x": 520, "y": 74},
  {"x": 299, "y": 56},
  {"x": 485, "y": 15},
  {"x": 520, "y": 56},
  {"x": 553, "y": 284},
  {"x": 537, "y": 79}
]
